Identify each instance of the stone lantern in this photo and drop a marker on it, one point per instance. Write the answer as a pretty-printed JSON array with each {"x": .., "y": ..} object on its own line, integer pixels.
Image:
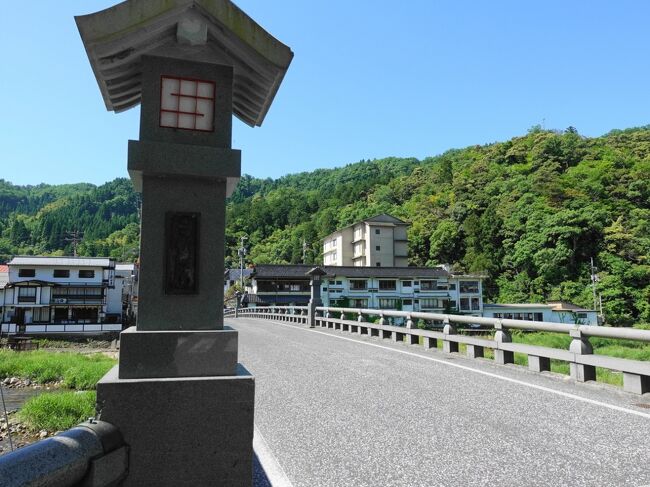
[{"x": 179, "y": 396}]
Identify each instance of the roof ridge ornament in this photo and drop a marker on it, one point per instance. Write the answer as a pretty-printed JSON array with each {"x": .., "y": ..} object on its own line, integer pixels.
[{"x": 193, "y": 32}]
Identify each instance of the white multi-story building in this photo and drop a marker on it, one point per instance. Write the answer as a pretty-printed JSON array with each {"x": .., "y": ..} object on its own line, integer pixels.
[
  {"x": 380, "y": 241},
  {"x": 404, "y": 288},
  {"x": 62, "y": 294}
]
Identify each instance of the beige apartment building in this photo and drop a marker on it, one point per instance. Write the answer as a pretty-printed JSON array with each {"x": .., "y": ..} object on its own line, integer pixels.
[{"x": 380, "y": 241}]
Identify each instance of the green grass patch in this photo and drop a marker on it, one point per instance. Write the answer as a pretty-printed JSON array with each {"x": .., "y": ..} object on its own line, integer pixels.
[
  {"x": 77, "y": 371},
  {"x": 57, "y": 411}
]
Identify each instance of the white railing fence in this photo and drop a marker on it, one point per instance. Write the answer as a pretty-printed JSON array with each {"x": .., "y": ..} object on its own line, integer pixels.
[{"x": 580, "y": 357}]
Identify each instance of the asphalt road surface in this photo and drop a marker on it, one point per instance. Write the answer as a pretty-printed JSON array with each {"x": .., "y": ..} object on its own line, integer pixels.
[{"x": 335, "y": 409}]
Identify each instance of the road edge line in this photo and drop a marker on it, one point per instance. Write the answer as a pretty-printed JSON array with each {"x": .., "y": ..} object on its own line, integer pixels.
[{"x": 272, "y": 468}]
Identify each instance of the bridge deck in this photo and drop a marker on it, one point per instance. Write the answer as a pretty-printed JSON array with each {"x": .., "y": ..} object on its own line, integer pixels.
[{"x": 338, "y": 410}]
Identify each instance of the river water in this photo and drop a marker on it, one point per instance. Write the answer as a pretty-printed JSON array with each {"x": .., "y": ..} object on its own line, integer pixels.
[{"x": 14, "y": 398}]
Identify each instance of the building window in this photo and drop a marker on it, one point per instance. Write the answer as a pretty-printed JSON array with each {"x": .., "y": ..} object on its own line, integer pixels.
[
  {"x": 358, "y": 284},
  {"x": 406, "y": 283},
  {"x": 433, "y": 286},
  {"x": 378, "y": 264},
  {"x": 377, "y": 247},
  {"x": 61, "y": 273},
  {"x": 387, "y": 285},
  {"x": 358, "y": 303},
  {"x": 464, "y": 304},
  {"x": 86, "y": 274},
  {"x": 469, "y": 287},
  {"x": 539, "y": 316},
  {"x": 476, "y": 304},
  {"x": 387, "y": 303},
  {"x": 377, "y": 231},
  {"x": 26, "y": 272},
  {"x": 41, "y": 315},
  {"x": 26, "y": 294},
  {"x": 87, "y": 315},
  {"x": 433, "y": 303},
  {"x": 407, "y": 302}
]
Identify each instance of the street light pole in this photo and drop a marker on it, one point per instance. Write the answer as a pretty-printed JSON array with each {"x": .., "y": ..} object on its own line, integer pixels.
[{"x": 242, "y": 253}]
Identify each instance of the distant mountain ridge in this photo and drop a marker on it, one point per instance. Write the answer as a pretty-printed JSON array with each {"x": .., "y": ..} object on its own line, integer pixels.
[{"x": 530, "y": 211}]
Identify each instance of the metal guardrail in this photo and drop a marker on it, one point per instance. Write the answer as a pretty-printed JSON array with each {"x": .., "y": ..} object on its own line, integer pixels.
[
  {"x": 92, "y": 454},
  {"x": 580, "y": 357}
]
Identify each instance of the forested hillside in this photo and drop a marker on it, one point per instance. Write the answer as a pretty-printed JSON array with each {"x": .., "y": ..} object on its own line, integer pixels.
[{"x": 530, "y": 212}]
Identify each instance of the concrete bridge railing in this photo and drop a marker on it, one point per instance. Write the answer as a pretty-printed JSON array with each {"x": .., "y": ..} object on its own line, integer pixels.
[
  {"x": 580, "y": 357},
  {"x": 289, "y": 314}
]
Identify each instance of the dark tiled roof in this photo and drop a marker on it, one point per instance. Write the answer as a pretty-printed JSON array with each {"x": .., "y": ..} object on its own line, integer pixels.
[
  {"x": 386, "y": 218},
  {"x": 252, "y": 299},
  {"x": 233, "y": 274},
  {"x": 300, "y": 270}
]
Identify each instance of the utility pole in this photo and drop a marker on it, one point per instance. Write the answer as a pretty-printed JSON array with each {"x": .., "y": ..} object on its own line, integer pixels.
[
  {"x": 594, "y": 279},
  {"x": 75, "y": 237},
  {"x": 242, "y": 253}
]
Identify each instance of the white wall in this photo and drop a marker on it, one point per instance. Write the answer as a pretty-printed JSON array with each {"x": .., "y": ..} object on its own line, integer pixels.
[{"x": 46, "y": 273}]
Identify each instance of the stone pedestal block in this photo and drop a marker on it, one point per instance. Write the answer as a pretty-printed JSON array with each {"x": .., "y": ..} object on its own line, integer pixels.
[
  {"x": 157, "y": 354},
  {"x": 183, "y": 431}
]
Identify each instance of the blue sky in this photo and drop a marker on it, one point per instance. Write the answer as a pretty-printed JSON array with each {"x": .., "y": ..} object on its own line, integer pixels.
[{"x": 370, "y": 79}]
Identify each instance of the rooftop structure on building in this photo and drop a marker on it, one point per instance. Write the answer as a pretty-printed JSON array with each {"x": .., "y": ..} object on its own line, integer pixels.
[{"x": 380, "y": 241}]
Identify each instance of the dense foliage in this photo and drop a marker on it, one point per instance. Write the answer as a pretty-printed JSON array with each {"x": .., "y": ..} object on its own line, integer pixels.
[
  {"x": 530, "y": 212},
  {"x": 44, "y": 219}
]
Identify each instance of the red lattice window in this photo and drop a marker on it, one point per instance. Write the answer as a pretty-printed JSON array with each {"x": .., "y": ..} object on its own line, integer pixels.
[{"x": 187, "y": 103}]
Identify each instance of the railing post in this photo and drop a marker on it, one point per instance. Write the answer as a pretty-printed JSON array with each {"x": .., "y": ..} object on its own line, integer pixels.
[
  {"x": 475, "y": 351},
  {"x": 449, "y": 329},
  {"x": 501, "y": 335},
  {"x": 412, "y": 339},
  {"x": 360, "y": 320},
  {"x": 429, "y": 342},
  {"x": 580, "y": 346},
  {"x": 539, "y": 364}
]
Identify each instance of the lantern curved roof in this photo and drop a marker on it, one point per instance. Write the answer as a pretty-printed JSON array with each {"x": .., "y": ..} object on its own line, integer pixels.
[{"x": 116, "y": 38}]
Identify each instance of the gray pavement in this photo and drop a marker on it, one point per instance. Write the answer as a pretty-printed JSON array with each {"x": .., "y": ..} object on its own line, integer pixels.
[{"x": 337, "y": 410}]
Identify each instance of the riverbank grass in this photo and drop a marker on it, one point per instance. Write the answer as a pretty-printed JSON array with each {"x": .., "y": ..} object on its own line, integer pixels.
[
  {"x": 76, "y": 371},
  {"x": 57, "y": 411}
]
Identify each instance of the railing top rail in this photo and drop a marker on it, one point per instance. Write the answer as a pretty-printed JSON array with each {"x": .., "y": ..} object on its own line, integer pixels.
[{"x": 586, "y": 330}]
